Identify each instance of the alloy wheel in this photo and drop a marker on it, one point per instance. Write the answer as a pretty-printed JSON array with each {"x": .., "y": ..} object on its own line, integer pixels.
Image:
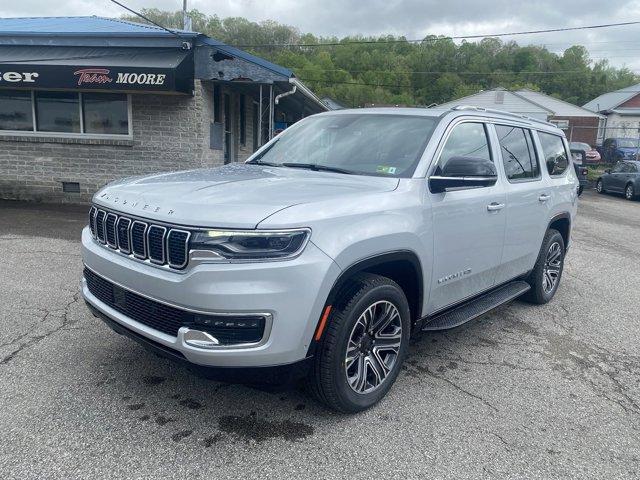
[
  {"x": 552, "y": 267},
  {"x": 599, "y": 186},
  {"x": 374, "y": 346},
  {"x": 629, "y": 192}
]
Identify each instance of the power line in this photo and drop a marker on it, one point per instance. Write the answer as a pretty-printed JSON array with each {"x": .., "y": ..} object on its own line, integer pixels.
[
  {"x": 462, "y": 72},
  {"x": 146, "y": 18},
  {"x": 454, "y": 37}
]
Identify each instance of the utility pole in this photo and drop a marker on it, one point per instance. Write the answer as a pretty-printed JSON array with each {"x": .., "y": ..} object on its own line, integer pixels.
[{"x": 186, "y": 19}]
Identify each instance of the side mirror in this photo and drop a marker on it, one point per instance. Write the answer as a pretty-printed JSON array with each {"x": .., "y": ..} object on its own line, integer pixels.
[{"x": 464, "y": 172}]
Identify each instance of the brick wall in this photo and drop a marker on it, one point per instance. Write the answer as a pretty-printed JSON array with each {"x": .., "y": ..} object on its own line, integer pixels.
[
  {"x": 581, "y": 129},
  {"x": 169, "y": 133}
]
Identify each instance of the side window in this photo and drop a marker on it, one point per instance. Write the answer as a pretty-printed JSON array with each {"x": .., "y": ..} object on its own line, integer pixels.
[
  {"x": 518, "y": 154},
  {"x": 555, "y": 155},
  {"x": 618, "y": 167},
  {"x": 465, "y": 140},
  {"x": 633, "y": 168}
]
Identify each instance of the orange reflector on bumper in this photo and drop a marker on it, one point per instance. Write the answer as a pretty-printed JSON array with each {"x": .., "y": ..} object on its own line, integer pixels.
[{"x": 323, "y": 323}]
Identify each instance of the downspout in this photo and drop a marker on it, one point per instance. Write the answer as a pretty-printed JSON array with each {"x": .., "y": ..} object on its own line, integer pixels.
[{"x": 285, "y": 94}]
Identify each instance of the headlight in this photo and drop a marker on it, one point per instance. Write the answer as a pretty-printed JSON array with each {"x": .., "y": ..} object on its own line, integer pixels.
[{"x": 250, "y": 244}]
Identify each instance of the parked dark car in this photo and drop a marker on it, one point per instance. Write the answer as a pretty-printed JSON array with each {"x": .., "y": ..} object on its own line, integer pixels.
[
  {"x": 616, "y": 149},
  {"x": 624, "y": 178},
  {"x": 591, "y": 154},
  {"x": 579, "y": 159}
]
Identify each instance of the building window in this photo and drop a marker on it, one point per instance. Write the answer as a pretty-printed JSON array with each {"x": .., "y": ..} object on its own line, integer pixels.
[
  {"x": 105, "y": 113},
  {"x": 63, "y": 113},
  {"x": 16, "y": 112},
  {"x": 57, "y": 112},
  {"x": 243, "y": 120}
]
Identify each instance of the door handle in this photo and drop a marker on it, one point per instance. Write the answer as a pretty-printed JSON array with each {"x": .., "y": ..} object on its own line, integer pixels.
[
  {"x": 495, "y": 206},
  {"x": 544, "y": 197}
]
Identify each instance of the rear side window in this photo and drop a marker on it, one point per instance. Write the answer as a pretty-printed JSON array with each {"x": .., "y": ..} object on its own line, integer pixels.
[
  {"x": 465, "y": 140},
  {"x": 555, "y": 155},
  {"x": 518, "y": 154}
]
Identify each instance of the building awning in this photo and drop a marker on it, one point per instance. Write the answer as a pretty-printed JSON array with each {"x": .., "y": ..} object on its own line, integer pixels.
[{"x": 160, "y": 70}]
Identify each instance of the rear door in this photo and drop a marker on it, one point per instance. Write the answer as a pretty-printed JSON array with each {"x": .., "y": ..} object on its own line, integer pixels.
[
  {"x": 529, "y": 197},
  {"x": 468, "y": 224}
]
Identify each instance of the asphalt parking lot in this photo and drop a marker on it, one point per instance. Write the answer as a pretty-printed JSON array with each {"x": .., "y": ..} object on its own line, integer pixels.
[{"x": 525, "y": 392}]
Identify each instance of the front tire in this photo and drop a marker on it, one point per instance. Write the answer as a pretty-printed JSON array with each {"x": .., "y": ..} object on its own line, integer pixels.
[
  {"x": 546, "y": 274},
  {"x": 600, "y": 186},
  {"x": 364, "y": 345},
  {"x": 629, "y": 192}
]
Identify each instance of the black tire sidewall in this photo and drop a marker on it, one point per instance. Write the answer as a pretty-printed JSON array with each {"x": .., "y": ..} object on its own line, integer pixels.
[
  {"x": 551, "y": 237},
  {"x": 354, "y": 401},
  {"x": 600, "y": 185}
]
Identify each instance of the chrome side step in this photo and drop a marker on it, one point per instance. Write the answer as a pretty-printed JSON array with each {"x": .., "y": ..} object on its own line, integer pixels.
[{"x": 475, "y": 307}]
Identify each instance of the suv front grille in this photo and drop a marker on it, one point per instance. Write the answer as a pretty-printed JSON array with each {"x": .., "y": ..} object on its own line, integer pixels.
[
  {"x": 159, "y": 244},
  {"x": 228, "y": 329}
]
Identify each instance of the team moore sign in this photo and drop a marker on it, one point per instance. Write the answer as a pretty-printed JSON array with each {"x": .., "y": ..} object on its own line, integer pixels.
[{"x": 96, "y": 78}]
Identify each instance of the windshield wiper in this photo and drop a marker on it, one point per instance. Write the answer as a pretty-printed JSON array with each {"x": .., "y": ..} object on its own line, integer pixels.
[
  {"x": 266, "y": 164},
  {"x": 316, "y": 167}
]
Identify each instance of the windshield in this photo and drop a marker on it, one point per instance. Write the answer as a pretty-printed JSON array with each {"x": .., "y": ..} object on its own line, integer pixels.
[
  {"x": 627, "y": 143},
  {"x": 365, "y": 144}
]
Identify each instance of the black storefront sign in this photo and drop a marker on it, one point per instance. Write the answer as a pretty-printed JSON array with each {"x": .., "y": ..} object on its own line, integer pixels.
[{"x": 98, "y": 77}]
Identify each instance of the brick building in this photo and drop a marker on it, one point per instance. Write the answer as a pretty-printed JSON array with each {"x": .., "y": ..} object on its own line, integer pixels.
[
  {"x": 579, "y": 124},
  {"x": 86, "y": 100}
]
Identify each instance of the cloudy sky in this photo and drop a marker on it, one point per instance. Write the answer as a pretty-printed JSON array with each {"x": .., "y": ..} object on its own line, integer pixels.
[{"x": 412, "y": 18}]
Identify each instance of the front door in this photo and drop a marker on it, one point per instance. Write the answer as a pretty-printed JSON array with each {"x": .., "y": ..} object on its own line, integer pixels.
[
  {"x": 468, "y": 225},
  {"x": 616, "y": 181}
]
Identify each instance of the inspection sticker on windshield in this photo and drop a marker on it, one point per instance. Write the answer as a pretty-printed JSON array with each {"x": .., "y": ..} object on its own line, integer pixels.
[{"x": 385, "y": 169}]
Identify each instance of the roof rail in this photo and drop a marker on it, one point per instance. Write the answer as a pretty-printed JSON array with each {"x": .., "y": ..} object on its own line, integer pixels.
[{"x": 501, "y": 112}]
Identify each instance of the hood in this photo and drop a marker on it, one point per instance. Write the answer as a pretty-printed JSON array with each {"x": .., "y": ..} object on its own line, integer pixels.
[{"x": 232, "y": 196}]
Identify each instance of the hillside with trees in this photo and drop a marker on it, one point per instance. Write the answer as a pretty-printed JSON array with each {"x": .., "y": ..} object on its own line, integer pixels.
[{"x": 391, "y": 70}]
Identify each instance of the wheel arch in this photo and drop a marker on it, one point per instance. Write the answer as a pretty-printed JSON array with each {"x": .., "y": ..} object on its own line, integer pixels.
[
  {"x": 562, "y": 223},
  {"x": 402, "y": 266}
]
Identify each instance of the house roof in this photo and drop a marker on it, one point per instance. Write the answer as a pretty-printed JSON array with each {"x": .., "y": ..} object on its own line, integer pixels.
[
  {"x": 523, "y": 101},
  {"x": 560, "y": 108},
  {"x": 611, "y": 100},
  {"x": 502, "y": 99},
  {"x": 236, "y": 52},
  {"x": 72, "y": 26}
]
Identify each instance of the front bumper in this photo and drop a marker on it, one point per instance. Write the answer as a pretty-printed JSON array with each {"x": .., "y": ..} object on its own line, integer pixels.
[{"x": 292, "y": 292}]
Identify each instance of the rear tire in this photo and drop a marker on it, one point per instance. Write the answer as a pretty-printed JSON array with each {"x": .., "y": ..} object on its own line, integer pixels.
[
  {"x": 547, "y": 272},
  {"x": 364, "y": 344},
  {"x": 600, "y": 186}
]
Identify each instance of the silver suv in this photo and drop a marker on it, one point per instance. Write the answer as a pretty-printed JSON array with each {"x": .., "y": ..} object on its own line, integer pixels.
[{"x": 333, "y": 244}]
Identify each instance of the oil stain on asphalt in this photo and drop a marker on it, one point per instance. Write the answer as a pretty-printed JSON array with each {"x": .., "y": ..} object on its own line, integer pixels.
[{"x": 250, "y": 427}]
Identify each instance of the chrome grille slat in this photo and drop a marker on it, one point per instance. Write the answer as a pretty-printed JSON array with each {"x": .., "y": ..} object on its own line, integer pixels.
[
  {"x": 138, "y": 239},
  {"x": 110, "y": 229},
  {"x": 145, "y": 241},
  {"x": 92, "y": 220},
  {"x": 100, "y": 225},
  {"x": 155, "y": 243},
  {"x": 122, "y": 233},
  {"x": 178, "y": 248}
]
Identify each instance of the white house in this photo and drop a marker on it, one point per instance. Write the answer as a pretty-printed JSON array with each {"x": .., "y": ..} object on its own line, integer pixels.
[{"x": 622, "y": 111}]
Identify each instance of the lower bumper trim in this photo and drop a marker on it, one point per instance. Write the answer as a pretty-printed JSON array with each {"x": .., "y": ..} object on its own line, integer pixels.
[{"x": 267, "y": 375}]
